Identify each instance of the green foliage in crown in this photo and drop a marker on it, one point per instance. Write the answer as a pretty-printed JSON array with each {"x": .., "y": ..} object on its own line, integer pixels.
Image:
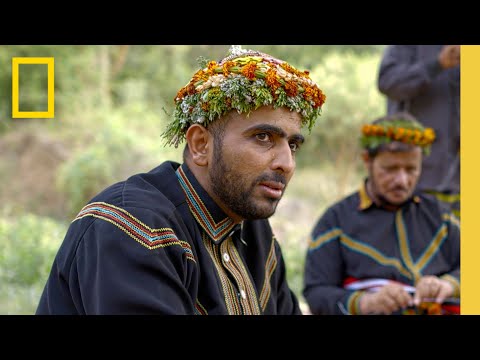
[
  {"x": 243, "y": 81},
  {"x": 409, "y": 132}
]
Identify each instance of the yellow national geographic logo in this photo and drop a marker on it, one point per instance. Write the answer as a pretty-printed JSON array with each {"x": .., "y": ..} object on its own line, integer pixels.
[{"x": 16, "y": 113}]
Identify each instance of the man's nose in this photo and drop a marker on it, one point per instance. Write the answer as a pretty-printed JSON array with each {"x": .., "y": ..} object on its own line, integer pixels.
[
  {"x": 401, "y": 178},
  {"x": 283, "y": 158}
]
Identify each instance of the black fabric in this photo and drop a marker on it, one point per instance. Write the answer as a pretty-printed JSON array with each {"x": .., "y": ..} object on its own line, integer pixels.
[{"x": 139, "y": 247}]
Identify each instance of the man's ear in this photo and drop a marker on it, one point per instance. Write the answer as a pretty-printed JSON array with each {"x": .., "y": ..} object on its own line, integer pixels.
[
  {"x": 198, "y": 139},
  {"x": 366, "y": 158}
]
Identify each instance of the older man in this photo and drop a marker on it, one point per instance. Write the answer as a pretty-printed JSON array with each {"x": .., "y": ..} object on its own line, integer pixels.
[{"x": 386, "y": 249}]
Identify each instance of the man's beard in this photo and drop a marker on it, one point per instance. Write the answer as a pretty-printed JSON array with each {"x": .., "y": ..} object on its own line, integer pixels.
[
  {"x": 232, "y": 189},
  {"x": 381, "y": 198}
]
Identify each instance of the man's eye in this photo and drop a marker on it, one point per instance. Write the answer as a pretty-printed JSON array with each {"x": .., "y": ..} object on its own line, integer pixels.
[
  {"x": 263, "y": 137},
  {"x": 294, "y": 147}
]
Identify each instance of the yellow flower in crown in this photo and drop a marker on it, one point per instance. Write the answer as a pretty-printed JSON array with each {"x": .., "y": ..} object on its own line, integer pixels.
[
  {"x": 244, "y": 81},
  {"x": 403, "y": 130}
]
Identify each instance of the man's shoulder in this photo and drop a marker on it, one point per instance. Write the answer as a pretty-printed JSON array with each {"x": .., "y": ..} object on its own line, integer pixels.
[
  {"x": 433, "y": 206},
  {"x": 150, "y": 190},
  {"x": 145, "y": 197},
  {"x": 348, "y": 202},
  {"x": 342, "y": 208},
  {"x": 158, "y": 187},
  {"x": 431, "y": 201}
]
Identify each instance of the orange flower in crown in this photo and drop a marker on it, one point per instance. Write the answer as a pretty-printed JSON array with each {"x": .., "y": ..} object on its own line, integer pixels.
[
  {"x": 243, "y": 81},
  {"x": 400, "y": 127}
]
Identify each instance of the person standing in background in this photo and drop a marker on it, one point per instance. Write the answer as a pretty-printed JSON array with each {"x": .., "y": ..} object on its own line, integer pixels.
[{"x": 425, "y": 81}]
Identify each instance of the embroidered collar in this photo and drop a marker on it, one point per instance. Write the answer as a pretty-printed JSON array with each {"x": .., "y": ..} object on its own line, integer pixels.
[
  {"x": 365, "y": 201},
  {"x": 208, "y": 214}
]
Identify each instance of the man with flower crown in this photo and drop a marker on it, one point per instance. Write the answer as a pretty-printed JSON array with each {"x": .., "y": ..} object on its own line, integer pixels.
[
  {"x": 387, "y": 248},
  {"x": 194, "y": 238}
]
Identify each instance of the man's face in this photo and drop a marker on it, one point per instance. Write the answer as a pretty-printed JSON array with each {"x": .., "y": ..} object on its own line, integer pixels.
[
  {"x": 255, "y": 161},
  {"x": 394, "y": 175}
]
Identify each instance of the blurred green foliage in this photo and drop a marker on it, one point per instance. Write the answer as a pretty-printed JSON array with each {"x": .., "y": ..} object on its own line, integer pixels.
[
  {"x": 27, "y": 248},
  {"x": 113, "y": 155},
  {"x": 32, "y": 99},
  {"x": 348, "y": 80}
]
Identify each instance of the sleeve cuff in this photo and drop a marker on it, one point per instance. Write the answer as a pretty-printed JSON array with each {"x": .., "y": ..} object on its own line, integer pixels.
[
  {"x": 455, "y": 282},
  {"x": 353, "y": 302}
]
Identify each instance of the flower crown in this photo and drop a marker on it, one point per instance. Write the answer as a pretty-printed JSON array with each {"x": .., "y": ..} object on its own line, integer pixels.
[
  {"x": 244, "y": 81},
  {"x": 406, "y": 131}
]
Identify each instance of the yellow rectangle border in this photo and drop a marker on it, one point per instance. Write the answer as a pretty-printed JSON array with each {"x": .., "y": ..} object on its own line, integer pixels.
[
  {"x": 469, "y": 180},
  {"x": 16, "y": 113}
]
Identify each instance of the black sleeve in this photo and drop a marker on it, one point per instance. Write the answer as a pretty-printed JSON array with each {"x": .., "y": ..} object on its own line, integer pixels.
[
  {"x": 402, "y": 76},
  {"x": 110, "y": 267},
  {"x": 452, "y": 252},
  {"x": 324, "y": 269}
]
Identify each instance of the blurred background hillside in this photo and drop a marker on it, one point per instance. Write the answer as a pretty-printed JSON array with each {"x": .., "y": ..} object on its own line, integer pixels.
[{"x": 111, "y": 105}]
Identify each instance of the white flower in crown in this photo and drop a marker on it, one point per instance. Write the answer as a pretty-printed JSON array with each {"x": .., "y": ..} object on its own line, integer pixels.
[
  {"x": 217, "y": 79},
  {"x": 237, "y": 50}
]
